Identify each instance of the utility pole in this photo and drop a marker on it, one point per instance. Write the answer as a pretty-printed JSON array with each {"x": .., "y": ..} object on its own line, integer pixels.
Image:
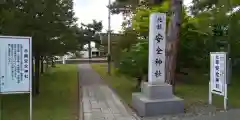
[{"x": 109, "y": 38}]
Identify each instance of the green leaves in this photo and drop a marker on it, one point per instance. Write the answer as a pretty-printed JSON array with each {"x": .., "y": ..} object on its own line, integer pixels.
[
  {"x": 224, "y": 14},
  {"x": 48, "y": 22},
  {"x": 140, "y": 20},
  {"x": 89, "y": 32},
  {"x": 135, "y": 61}
]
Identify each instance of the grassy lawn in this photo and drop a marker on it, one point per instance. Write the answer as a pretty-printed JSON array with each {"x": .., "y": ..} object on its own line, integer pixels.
[
  {"x": 58, "y": 99},
  {"x": 194, "y": 90}
]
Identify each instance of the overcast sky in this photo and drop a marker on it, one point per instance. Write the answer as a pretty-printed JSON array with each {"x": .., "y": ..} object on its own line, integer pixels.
[{"x": 87, "y": 10}]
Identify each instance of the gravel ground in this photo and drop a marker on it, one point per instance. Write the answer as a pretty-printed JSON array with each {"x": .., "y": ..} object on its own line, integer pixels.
[
  {"x": 193, "y": 111},
  {"x": 201, "y": 112}
]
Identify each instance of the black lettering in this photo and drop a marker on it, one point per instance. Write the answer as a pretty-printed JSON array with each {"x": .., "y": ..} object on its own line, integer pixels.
[
  {"x": 217, "y": 67},
  {"x": 217, "y": 74},
  {"x": 159, "y": 19},
  {"x": 158, "y": 73},
  {"x": 25, "y": 50},
  {"x": 26, "y": 76},
  {"x": 159, "y": 26},
  {"x": 158, "y": 38},
  {"x": 25, "y": 66},
  {"x": 25, "y": 55},
  {"x": 159, "y": 50},
  {"x": 158, "y": 61}
]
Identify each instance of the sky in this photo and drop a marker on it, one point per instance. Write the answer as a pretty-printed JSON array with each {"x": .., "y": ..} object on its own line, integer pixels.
[{"x": 87, "y": 10}]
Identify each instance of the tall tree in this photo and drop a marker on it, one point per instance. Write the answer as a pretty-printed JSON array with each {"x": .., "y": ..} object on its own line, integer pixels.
[
  {"x": 47, "y": 22},
  {"x": 173, "y": 34},
  {"x": 89, "y": 32},
  {"x": 220, "y": 14}
]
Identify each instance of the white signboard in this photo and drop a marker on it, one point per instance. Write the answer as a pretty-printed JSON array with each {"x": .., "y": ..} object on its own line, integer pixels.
[
  {"x": 15, "y": 64},
  {"x": 218, "y": 76},
  {"x": 157, "y": 43},
  {"x": 218, "y": 72}
]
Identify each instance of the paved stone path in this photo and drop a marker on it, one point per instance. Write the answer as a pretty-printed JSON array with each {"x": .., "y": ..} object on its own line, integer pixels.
[{"x": 98, "y": 101}]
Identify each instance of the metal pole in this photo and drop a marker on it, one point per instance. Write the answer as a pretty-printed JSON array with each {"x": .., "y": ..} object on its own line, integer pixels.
[
  {"x": 109, "y": 38},
  {"x": 1, "y": 97},
  {"x": 30, "y": 83},
  {"x": 226, "y": 81},
  {"x": 210, "y": 94},
  {"x": 30, "y": 104}
]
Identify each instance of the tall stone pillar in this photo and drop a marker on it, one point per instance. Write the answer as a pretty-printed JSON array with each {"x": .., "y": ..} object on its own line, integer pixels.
[{"x": 156, "y": 97}]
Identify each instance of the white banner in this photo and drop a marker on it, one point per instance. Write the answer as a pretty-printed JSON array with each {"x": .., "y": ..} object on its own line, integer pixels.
[
  {"x": 218, "y": 72},
  {"x": 15, "y": 64},
  {"x": 157, "y": 44}
]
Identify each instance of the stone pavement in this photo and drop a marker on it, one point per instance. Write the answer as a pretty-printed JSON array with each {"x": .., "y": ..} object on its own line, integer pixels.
[{"x": 99, "y": 102}]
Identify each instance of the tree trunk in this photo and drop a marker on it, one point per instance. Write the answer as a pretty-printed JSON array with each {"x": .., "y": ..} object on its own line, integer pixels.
[
  {"x": 37, "y": 74},
  {"x": 53, "y": 63},
  {"x": 139, "y": 82},
  {"x": 47, "y": 63},
  {"x": 173, "y": 36},
  {"x": 89, "y": 50},
  {"x": 42, "y": 65}
]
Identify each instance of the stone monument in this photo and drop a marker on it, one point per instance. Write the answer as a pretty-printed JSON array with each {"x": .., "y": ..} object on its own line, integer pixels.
[{"x": 156, "y": 97}]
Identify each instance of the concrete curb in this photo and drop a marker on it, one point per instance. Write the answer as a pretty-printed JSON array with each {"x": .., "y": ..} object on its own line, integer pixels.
[{"x": 80, "y": 108}]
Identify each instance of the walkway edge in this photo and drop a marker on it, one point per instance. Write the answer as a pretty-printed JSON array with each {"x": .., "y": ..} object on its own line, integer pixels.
[
  {"x": 80, "y": 113},
  {"x": 114, "y": 91}
]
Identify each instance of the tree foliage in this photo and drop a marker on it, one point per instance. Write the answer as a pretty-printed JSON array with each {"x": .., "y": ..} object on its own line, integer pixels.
[
  {"x": 50, "y": 23},
  {"x": 89, "y": 32},
  {"x": 140, "y": 21},
  {"x": 211, "y": 25},
  {"x": 221, "y": 17},
  {"x": 45, "y": 21},
  {"x": 135, "y": 59},
  {"x": 123, "y": 42}
]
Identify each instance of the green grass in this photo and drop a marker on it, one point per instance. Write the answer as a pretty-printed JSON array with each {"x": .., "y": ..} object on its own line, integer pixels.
[
  {"x": 194, "y": 90},
  {"x": 58, "y": 99}
]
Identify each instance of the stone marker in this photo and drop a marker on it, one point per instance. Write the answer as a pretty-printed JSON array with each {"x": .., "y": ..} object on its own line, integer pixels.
[{"x": 156, "y": 97}]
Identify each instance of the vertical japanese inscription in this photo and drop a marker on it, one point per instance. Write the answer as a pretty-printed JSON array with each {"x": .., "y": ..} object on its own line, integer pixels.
[
  {"x": 159, "y": 37},
  {"x": 217, "y": 71},
  {"x": 21, "y": 62},
  {"x": 26, "y": 63},
  {"x": 157, "y": 47},
  {"x": 18, "y": 63},
  {"x": 16, "y": 55},
  {"x": 15, "y": 61}
]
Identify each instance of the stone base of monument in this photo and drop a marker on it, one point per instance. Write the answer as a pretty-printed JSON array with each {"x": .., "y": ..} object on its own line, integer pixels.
[{"x": 156, "y": 100}]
